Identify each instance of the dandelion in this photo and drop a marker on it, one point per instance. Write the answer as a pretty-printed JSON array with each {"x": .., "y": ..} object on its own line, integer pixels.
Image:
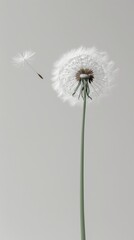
[
  {"x": 25, "y": 58},
  {"x": 78, "y": 75},
  {"x": 77, "y": 65}
]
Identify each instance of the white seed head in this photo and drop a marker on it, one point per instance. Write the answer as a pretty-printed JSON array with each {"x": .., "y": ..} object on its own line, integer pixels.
[
  {"x": 79, "y": 62},
  {"x": 25, "y": 56}
]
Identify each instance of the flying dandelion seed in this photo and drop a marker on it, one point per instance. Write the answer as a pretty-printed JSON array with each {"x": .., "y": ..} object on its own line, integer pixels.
[
  {"x": 25, "y": 58},
  {"x": 79, "y": 74}
]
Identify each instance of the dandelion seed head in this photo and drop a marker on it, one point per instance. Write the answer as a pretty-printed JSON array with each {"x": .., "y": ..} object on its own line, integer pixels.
[{"x": 80, "y": 63}]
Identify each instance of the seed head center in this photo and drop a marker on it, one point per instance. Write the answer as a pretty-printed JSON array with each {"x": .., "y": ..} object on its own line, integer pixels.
[{"x": 85, "y": 74}]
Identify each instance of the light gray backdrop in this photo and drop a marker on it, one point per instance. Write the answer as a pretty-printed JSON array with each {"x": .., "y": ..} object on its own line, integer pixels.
[{"x": 40, "y": 135}]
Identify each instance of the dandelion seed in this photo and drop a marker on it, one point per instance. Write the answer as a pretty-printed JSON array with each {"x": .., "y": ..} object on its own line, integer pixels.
[
  {"x": 25, "y": 58},
  {"x": 79, "y": 74}
]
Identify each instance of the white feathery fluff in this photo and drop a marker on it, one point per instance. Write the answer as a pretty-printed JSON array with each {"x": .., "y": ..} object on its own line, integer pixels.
[
  {"x": 64, "y": 73},
  {"x": 25, "y": 56}
]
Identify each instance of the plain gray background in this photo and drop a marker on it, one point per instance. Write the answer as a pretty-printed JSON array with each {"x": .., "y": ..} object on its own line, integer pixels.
[{"x": 40, "y": 135}]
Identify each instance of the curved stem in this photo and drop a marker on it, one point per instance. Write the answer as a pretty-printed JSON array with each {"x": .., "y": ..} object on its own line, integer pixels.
[{"x": 82, "y": 213}]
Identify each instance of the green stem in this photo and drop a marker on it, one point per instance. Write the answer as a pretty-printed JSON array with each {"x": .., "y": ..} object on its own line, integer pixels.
[{"x": 82, "y": 214}]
